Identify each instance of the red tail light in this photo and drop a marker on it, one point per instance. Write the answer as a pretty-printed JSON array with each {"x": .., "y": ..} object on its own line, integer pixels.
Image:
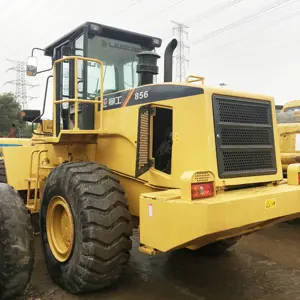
[
  {"x": 202, "y": 190},
  {"x": 299, "y": 178}
]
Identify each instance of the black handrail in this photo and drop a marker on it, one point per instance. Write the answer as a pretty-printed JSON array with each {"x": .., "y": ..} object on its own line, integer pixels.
[{"x": 44, "y": 105}]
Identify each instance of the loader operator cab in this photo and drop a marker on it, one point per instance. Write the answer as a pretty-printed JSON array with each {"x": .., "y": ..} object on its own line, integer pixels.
[
  {"x": 119, "y": 51},
  {"x": 289, "y": 112},
  {"x": 128, "y": 60}
]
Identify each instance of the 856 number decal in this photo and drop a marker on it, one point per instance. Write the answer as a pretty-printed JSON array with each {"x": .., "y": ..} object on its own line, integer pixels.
[{"x": 141, "y": 95}]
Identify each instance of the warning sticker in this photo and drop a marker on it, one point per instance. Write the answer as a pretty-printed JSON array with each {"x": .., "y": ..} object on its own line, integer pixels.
[
  {"x": 297, "y": 142},
  {"x": 150, "y": 210},
  {"x": 270, "y": 203}
]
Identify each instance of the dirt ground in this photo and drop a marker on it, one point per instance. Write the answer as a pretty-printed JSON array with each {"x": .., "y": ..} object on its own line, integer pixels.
[{"x": 262, "y": 266}]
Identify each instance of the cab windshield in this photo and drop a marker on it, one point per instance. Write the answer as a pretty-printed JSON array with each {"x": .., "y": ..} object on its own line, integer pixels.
[
  {"x": 119, "y": 59},
  {"x": 116, "y": 49},
  {"x": 288, "y": 116},
  {"x": 295, "y": 108}
]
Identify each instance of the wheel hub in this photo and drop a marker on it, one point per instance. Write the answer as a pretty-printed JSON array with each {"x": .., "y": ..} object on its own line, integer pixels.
[{"x": 60, "y": 228}]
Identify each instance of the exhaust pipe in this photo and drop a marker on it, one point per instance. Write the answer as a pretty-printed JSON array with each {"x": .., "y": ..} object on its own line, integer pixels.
[{"x": 168, "y": 68}]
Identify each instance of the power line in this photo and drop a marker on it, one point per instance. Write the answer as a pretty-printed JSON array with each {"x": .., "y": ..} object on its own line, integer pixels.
[
  {"x": 204, "y": 15},
  {"x": 164, "y": 9},
  {"x": 257, "y": 14},
  {"x": 182, "y": 36},
  {"x": 288, "y": 17},
  {"x": 127, "y": 7},
  {"x": 212, "y": 11},
  {"x": 291, "y": 45},
  {"x": 169, "y": 6},
  {"x": 39, "y": 24}
]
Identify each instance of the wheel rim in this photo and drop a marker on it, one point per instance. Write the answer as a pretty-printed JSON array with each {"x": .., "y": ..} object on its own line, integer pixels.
[{"x": 60, "y": 228}]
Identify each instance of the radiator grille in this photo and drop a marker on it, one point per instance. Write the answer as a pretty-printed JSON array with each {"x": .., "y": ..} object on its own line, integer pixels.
[
  {"x": 142, "y": 161},
  {"x": 244, "y": 137},
  {"x": 250, "y": 160},
  {"x": 241, "y": 113},
  {"x": 143, "y": 145},
  {"x": 238, "y": 136}
]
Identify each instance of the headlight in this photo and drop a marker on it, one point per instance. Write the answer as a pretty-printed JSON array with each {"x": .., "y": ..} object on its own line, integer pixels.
[
  {"x": 156, "y": 42},
  {"x": 95, "y": 27}
]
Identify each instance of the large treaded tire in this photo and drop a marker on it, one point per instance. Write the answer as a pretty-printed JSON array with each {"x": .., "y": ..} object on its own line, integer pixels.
[
  {"x": 2, "y": 172},
  {"x": 219, "y": 247},
  {"x": 102, "y": 226},
  {"x": 16, "y": 243}
]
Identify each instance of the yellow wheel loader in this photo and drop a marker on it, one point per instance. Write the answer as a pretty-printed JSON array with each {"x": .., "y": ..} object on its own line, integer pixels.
[
  {"x": 191, "y": 166},
  {"x": 288, "y": 119}
]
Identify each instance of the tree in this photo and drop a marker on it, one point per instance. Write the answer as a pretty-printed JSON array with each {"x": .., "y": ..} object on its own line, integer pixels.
[{"x": 10, "y": 111}]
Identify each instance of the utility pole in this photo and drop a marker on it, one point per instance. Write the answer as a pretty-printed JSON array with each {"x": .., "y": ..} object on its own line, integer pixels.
[
  {"x": 180, "y": 32},
  {"x": 20, "y": 82}
]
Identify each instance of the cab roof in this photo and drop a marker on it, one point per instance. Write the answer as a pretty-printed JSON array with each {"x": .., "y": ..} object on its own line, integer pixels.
[{"x": 109, "y": 32}]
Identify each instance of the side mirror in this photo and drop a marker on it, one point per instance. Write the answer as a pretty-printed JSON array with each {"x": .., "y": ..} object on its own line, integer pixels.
[
  {"x": 31, "y": 67},
  {"x": 29, "y": 115}
]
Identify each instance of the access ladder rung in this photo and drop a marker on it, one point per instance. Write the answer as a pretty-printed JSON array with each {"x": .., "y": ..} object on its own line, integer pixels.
[
  {"x": 31, "y": 179},
  {"x": 31, "y": 205}
]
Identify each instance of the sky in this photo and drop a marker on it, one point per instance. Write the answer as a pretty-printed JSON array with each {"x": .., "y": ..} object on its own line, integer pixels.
[{"x": 251, "y": 45}]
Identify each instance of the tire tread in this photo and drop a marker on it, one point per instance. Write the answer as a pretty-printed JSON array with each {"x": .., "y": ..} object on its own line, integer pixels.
[
  {"x": 3, "y": 178},
  {"x": 16, "y": 240},
  {"x": 106, "y": 224}
]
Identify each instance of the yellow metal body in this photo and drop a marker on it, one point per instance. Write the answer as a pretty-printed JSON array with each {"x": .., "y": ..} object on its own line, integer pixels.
[
  {"x": 289, "y": 135},
  {"x": 169, "y": 218},
  {"x": 46, "y": 126},
  {"x": 193, "y": 117},
  {"x": 232, "y": 213},
  {"x": 13, "y": 142},
  {"x": 193, "y": 78},
  {"x": 289, "y": 145}
]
